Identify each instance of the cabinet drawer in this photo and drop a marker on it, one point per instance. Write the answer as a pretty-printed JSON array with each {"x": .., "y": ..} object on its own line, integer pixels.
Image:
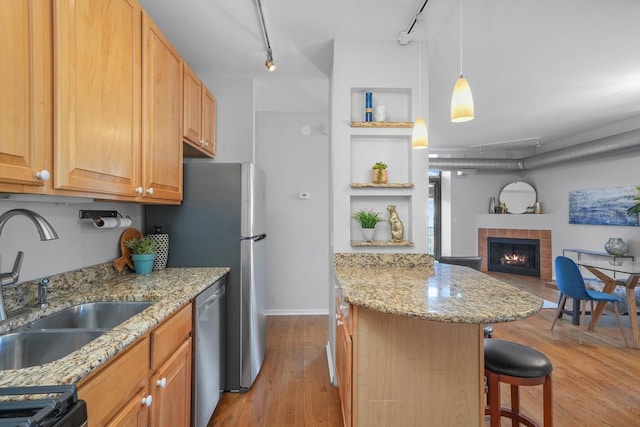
[
  {"x": 167, "y": 337},
  {"x": 113, "y": 386}
]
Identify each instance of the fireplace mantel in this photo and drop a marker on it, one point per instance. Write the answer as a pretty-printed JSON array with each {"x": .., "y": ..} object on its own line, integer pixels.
[{"x": 515, "y": 221}]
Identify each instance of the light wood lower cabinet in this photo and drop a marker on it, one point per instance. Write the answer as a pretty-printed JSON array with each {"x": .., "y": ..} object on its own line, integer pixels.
[
  {"x": 398, "y": 370},
  {"x": 149, "y": 384},
  {"x": 170, "y": 386},
  {"x": 344, "y": 359}
]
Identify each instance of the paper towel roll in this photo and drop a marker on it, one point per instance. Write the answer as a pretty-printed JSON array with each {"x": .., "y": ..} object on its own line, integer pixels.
[{"x": 112, "y": 223}]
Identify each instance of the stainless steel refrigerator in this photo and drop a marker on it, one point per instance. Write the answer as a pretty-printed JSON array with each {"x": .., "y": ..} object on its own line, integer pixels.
[{"x": 221, "y": 222}]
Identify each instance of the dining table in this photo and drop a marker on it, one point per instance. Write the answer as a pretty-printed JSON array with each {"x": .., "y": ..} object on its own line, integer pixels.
[{"x": 612, "y": 273}]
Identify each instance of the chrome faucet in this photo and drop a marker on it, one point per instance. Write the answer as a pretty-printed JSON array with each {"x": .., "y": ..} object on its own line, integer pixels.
[{"x": 46, "y": 232}]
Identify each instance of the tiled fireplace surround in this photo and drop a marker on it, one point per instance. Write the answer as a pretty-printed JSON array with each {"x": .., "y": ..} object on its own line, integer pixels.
[{"x": 543, "y": 235}]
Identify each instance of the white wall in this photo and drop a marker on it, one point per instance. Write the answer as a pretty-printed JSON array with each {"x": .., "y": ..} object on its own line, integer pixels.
[
  {"x": 298, "y": 257},
  {"x": 357, "y": 64},
  {"x": 470, "y": 196},
  {"x": 80, "y": 244},
  {"x": 235, "y": 119}
]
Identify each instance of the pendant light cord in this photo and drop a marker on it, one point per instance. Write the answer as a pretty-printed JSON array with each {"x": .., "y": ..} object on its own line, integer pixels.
[
  {"x": 460, "y": 18},
  {"x": 419, "y": 78}
]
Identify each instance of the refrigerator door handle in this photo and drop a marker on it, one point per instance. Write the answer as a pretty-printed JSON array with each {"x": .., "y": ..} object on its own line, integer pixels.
[{"x": 255, "y": 238}]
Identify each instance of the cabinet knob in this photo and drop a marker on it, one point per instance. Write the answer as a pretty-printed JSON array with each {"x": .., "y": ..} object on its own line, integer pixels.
[
  {"x": 337, "y": 316},
  {"x": 139, "y": 190},
  {"x": 43, "y": 175},
  {"x": 162, "y": 383},
  {"x": 339, "y": 322},
  {"x": 202, "y": 142},
  {"x": 206, "y": 143},
  {"x": 146, "y": 401},
  {"x": 149, "y": 190}
]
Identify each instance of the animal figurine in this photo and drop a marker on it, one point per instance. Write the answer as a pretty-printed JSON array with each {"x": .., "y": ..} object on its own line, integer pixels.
[{"x": 397, "y": 229}]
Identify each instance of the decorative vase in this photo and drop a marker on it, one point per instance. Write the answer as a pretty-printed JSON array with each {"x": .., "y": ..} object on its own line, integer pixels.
[
  {"x": 143, "y": 263},
  {"x": 367, "y": 234},
  {"x": 162, "y": 244},
  {"x": 492, "y": 205},
  {"x": 379, "y": 176},
  {"x": 616, "y": 246}
]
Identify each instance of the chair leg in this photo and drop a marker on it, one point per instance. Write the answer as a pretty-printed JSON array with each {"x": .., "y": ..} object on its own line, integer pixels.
[
  {"x": 563, "y": 299},
  {"x": 494, "y": 399},
  {"x": 583, "y": 304},
  {"x": 515, "y": 406},
  {"x": 547, "y": 399},
  {"x": 624, "y": 337}
]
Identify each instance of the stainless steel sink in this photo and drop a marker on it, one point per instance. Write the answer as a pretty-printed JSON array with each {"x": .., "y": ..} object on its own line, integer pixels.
[
  {"x": 95, "y": 315},
  {"x": 24, "y": 349}
]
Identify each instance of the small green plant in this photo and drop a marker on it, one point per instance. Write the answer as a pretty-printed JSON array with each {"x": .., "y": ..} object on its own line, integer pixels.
[
  {"x": 380, "y": 167},
  {"x": 367, "y": 218},
  {"x": 634, "y": 210},
  {"x": 143, "y": 245}
]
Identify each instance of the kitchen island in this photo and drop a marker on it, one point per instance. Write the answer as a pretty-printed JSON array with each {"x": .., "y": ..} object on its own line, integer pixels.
[{"x": 409, "y": 338}]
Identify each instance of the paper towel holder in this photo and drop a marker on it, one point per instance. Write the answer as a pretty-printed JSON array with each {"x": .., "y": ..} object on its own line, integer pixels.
[{"x": 96, "y": 216}]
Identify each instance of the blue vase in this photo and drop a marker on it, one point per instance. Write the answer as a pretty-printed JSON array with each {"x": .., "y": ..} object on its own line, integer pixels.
[{"x": 143, "y": 263}]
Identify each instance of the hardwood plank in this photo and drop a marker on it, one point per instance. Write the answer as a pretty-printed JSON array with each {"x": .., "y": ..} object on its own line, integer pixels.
[{"x": 595, "y": 384}]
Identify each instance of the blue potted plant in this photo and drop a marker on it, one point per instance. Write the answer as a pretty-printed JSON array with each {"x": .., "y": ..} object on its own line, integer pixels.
[{"x": 143, "y": 253}]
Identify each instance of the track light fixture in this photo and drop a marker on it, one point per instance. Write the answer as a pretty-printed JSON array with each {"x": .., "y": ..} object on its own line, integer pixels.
[{"x": 269, "y": 63}]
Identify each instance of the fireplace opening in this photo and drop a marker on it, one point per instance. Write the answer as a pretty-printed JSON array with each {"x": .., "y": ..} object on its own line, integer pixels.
[{"x": 515, "y": 256}]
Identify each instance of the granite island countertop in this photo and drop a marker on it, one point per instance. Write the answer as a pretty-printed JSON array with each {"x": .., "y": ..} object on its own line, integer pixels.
[
  {"x": 413, "y": 285},
  {"x": 170, "y": 289}
]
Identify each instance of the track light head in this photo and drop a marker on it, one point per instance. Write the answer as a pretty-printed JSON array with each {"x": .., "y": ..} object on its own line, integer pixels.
[{"x": 270, "y": 63}]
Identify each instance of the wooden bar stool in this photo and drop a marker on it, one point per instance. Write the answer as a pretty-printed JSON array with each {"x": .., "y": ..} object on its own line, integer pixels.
[{"x": 518, "y": 365}]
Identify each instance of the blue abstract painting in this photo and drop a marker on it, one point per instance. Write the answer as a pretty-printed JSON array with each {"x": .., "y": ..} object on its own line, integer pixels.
[{"x": 602, "y": 206}]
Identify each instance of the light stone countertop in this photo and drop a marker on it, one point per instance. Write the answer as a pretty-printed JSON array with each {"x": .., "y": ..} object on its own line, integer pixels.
[
  {"x": 170, "y": 288},
  {"x": 413, "y": 285}
]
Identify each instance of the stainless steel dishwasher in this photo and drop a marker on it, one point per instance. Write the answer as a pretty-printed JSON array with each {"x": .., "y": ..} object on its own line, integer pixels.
[{"x": 208, "y": 352}]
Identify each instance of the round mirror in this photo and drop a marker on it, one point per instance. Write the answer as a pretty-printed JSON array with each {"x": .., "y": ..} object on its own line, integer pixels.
[{"x": 518, "y": 197}]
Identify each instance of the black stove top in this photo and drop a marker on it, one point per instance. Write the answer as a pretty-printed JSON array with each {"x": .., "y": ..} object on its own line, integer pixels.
[{"x": 42, "y": 406}]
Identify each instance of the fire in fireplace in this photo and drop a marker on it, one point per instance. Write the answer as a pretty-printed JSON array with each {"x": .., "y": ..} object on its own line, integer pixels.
[{"x": 516, "y": 256}]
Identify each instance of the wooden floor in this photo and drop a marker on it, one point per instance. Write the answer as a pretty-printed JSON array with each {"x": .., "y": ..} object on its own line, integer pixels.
[{"x": 595, "y": 384}]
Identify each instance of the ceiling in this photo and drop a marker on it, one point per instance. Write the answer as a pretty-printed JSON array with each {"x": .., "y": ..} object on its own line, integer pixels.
[{"x": 541, "y": 71}]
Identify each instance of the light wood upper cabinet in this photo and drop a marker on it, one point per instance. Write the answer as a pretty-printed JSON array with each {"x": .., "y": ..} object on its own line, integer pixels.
[
  {"x": 97, "y": 109},
  {"x": 26, "y": 95},
  {"x": 209, "y": 122},
  {"x": 199, "y": 118},
  {"x": 161, "y": 115}
]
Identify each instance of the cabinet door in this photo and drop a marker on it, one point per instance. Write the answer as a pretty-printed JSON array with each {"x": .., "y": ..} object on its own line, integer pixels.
[
  {"x": 209, "y": 122},
  {"x": 192, "y": 106},
  {"x": 26, "y": 101},
  {"x": 161, "y": 115},
  {"x": 117, "y": 384},
  {"x": 97, "y": 78},
  {"x": 134, "y": 414},
  {"x": 171, "y": 390},
  {"x": 344, "y": 359}
]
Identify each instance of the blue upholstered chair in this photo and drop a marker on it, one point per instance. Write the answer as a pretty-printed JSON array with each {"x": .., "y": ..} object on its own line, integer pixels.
[{"x": 571, "y": 284}]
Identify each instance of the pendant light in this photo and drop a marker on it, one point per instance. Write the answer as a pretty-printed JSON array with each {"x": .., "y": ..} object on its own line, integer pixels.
[
  {"x": 461, "y": 100},
  {"x": 419, "y": 139}
]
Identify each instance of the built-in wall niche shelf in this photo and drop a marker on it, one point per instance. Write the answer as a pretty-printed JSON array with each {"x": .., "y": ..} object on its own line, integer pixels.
[
  {"x": 396, "y": 101},
  {"x": 388, "y": 185},
  {"x": 378, "y": 203},
  {"x": 380, "y": 243},
  {"x": 392, "y": 150},
  {"x": 381, "y": 124}
]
